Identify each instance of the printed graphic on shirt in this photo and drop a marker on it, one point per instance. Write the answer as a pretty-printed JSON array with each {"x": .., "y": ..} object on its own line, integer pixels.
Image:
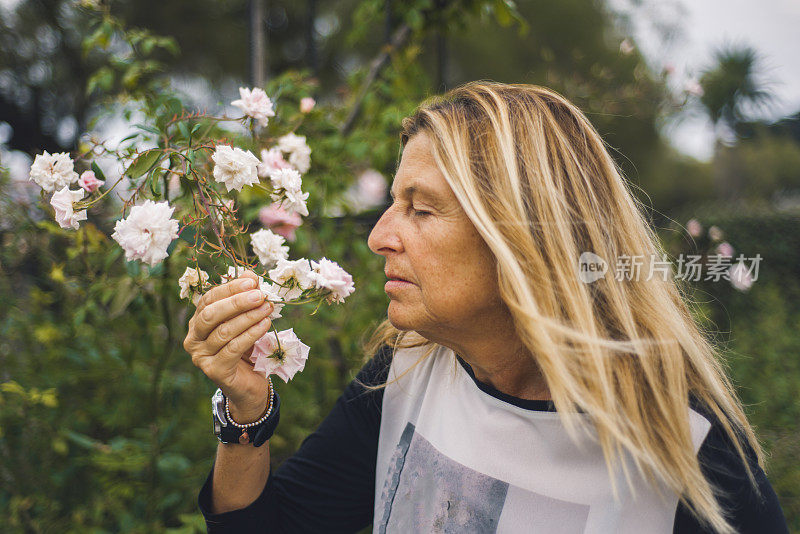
[{"x": 459, "y": 499}]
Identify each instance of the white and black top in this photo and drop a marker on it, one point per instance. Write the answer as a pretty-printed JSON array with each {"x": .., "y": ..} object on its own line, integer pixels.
[{"x": 439, "y": 451}]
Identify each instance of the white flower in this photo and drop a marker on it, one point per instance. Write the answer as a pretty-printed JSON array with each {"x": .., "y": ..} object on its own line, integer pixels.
[
  {"x": 190, "y": 280},
  {"x": 234, "y": 271},
  {"x": 235, "y": 167},
  {"x": 284, "y": 355},
  {"x": 292, "y": 274},
  {"x": 256, "y": 104},
  {"x": 740, "y": 277},
  {"x": 299, "y": 152},
  {"x": 271, "y": 161},
  {"x": 147, "y": 232},
  {"x": 273, "y": 294},
  {"x": 286, "y": 184},
  {"x": 295, "y": 202},
  {"x": 300, "y": 160},
  {"x": 626, "y": 47},
  {"x": 62, "y": 202},
  {"x": 327, "y": 274},
  {"x": 52, "y": 172},
  {"x": 286, "y": 179},
  {"x": 269, "y": 247}
]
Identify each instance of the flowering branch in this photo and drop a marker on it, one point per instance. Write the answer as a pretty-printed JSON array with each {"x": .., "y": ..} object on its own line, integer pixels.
[{"x": 149, "y": 228}]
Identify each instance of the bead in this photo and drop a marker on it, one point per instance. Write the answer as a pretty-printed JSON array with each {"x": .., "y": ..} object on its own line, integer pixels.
[{"x": 254, "y": 423}]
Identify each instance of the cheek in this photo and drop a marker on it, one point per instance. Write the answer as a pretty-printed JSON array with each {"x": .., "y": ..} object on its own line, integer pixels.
[{"x": 461, "y": 283}]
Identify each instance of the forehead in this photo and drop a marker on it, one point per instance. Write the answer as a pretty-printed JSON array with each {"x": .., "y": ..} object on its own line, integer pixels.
[{"x": 418, "y": 173}]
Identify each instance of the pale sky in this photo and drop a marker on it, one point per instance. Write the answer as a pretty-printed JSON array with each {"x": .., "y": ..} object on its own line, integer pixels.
[{"x": 772, "y": 27}]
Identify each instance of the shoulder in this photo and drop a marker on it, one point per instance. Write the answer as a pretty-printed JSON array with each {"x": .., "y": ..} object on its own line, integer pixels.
[{"x": 750, "y": 508}]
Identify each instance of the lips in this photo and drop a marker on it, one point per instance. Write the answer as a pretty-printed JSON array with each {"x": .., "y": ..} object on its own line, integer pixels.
[{"x": 393, "y": 276}]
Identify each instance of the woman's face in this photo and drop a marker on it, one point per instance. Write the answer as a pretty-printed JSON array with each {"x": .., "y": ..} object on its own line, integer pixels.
[{"x": 449, "y": 285}]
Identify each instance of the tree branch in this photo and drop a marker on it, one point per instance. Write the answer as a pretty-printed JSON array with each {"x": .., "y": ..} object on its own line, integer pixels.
[{"x": 399, "y": 39}]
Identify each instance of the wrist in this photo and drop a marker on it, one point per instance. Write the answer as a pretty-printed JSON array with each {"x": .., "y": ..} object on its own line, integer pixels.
[
  {"x": 232, "y": 428},
  {"x": 252, "y": 408},
  {"x": 248, "y": 413},
  {"x": 248, "y": 408}
]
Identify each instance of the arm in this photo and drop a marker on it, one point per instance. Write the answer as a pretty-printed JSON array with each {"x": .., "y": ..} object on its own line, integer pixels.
[
  {"x": 747, "y": 510},
  {"x": 329, "y": 484},
  {"x": 240, "y": 471}
]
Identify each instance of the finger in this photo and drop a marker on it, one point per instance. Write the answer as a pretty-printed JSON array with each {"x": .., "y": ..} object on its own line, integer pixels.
[
  {"x": 247, "y": 280},
  {"x": 231, "y": 328},
  {"x": 234, "y": 349},
  {"x": 218, "y": 312}
]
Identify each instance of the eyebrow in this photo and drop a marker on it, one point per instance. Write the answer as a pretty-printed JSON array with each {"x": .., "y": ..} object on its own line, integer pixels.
[{"x": 411, "y": 189}]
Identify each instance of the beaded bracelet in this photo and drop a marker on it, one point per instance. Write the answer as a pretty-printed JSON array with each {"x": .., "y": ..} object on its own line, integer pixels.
[{"x": 244, "y": 438}]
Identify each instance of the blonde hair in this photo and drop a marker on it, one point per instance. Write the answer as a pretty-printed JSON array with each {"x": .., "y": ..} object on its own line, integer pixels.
[{"x": 536, "y": 180}]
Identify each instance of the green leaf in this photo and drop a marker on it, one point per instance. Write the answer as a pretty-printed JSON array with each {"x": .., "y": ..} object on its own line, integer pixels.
[
  {"x": 128, "y": 137},
  {"x": 98, "y": 172},
  {"x": 184, "y": 130},
  {"x": 155, "y": 181},
  {"x": 143, "y": 163}
]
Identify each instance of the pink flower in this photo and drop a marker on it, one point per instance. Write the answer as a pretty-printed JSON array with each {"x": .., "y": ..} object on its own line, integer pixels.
[
  {"x": 89, "y": 181},
  {"x": 307, "y": 104},
  {"x": 669, "y": 69},
  {"x": 280, "y": 221},
  {"x": 740, "y": 277},
  {"x": 284, "y": 355},
  {"x": 372, "y": 188},
  {"x": 725, "y": 249},
  {"x": 715, "y": 233},
  {"x": 694, "y": 88},
  {"x": 694, "y": 228}
]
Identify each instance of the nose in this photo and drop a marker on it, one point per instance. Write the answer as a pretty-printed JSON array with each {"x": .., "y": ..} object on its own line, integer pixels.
[{"x": 384, "y": 239}]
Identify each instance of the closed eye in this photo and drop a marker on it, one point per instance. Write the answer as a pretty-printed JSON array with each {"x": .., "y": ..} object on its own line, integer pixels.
[{"x": 421, "y": 213}]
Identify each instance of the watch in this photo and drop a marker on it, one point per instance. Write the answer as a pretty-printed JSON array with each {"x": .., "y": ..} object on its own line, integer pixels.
[{"x": 227, "y": 432}]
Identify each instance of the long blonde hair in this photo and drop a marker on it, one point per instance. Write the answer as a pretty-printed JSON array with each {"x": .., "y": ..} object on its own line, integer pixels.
[{"x": 536, "y": 180}]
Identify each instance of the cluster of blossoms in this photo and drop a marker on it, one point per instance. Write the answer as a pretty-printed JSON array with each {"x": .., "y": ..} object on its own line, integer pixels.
[
  {"x": 741, "y": 278},
  {"x": 149, "y": 228}
]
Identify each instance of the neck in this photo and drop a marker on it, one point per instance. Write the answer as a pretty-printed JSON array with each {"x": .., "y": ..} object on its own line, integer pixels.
[
  {"x": 516, "y": 375},
  {"x": 499, "y": 358}
]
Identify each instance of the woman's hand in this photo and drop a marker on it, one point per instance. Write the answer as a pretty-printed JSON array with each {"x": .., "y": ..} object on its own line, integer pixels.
[{"x": 227, "y": 322}]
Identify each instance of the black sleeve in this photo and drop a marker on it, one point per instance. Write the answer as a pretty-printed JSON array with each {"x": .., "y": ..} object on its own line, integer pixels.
[
  {"x": 748, "y": 511},
  {"x": 328, "y": 485}
]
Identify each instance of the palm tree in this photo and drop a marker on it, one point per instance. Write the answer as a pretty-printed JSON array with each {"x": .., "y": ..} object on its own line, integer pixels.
[{"x": 730, "y": 88}]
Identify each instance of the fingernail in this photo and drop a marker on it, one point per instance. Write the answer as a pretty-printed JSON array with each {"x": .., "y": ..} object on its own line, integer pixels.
[
  {"x": 247, "y": 283},
  {"x": 256, "y": 296}
]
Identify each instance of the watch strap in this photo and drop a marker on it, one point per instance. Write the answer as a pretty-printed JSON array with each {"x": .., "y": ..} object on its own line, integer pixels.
[{"x": 258, "y": 434}]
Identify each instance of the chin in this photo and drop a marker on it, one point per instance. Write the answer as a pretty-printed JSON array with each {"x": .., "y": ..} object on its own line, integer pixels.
[{"x": 401, "y": 321}]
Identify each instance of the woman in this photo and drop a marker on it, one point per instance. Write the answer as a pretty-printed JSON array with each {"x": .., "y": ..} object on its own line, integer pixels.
[{"x": 508, "y": 393}]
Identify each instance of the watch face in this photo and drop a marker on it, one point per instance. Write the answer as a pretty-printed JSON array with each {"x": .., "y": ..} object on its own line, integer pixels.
[{"x": 218, "y": 408}]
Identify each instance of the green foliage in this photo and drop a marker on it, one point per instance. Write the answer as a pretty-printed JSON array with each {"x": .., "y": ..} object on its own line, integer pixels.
[{"x": 759, "y": 330}]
